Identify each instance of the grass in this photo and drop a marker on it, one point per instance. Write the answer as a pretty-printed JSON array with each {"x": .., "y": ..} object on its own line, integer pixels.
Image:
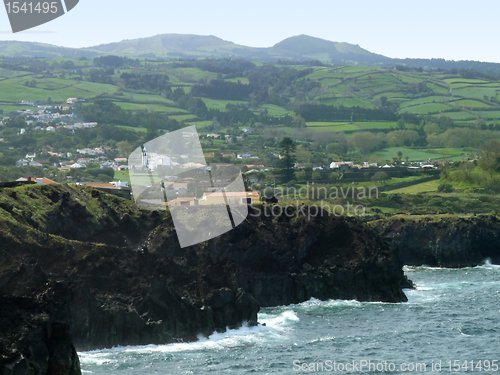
[
  {"x": 460, "y": 115},
  {"x": 242, "y": 80},
  {"x": 122, "y": 176},
  {"x": 377, "y": 125},
  {"x": 429, "y": 186},
  {"x": 15, "y": 90},
  {"x": 475, "y": 92},
  {"x": 348, "y": 126},
  {"x": 182, "y": 117},
  {"x": 274, "y": 110},
  {"x": 6, "y": 73},
  {"x": 420, "y": 155},
  {"x": 337, "y": 128},
  {"x": 11, "y": 108},
  {"x": 149, "y": 107},
  {"x": 471, "y": 103},
  {"x": 425, "y": 109},
  {"x": 427, "y": 99},
  {"x": 220, "y": 104},
  {"x": 488, "y": 114},
  {"x": 147, "y": 98},
  {"x": 346, "y": 102},
  {"x": 138, "y": 130},
  {"x": 199, "y": 124}
]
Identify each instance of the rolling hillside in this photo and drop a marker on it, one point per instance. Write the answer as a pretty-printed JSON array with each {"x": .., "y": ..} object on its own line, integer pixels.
[{"x": 301, "y": 48}]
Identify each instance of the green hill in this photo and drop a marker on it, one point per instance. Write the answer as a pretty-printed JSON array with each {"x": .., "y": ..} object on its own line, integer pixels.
[
  {"x": 296, "y": 48},
  {"x": 29, "y": 49}
]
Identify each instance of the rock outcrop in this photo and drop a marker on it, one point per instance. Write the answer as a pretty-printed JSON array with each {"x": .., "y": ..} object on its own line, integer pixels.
[
  {"x": 87, "y": 270},
  {"x": 443, "y": 240}
]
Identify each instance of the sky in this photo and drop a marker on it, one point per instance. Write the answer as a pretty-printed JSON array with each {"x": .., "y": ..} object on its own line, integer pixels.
[{"x": 453, "y": 30}]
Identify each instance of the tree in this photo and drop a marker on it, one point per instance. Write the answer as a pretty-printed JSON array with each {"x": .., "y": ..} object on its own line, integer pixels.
[
  {"x": 490, "y": 156},
  {"x": 380, "y": 176},
  {"x": 287, "y": 160},
  {"x": 125, "y": 149}
]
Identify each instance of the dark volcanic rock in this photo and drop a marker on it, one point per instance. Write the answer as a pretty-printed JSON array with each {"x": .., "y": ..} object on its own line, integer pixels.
[
  {"x": 98, "y": 269},
  {"x": 32, "y": 342},
  {"x": 443, "y": 240}
]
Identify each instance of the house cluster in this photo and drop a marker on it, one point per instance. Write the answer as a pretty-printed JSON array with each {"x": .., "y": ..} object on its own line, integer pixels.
[
  {"x": 44, "y": 115},
  {"x": 153, "y": 160},
  {"x": 91, "y": 151},
  {"x": 231, "y": 198},
  {"x": 118, "y": 164},
  {"x": 246, "y": 156}
]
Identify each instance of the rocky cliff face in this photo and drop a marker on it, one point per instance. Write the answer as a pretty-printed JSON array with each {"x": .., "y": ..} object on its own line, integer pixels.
[
  {"x": 443, "y": 240},
  {"x": 88, "y": 270}
]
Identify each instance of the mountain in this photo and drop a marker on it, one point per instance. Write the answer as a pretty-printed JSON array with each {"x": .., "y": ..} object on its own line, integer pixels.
[
  {"x": 175, "y": 45},
  {"x": 30, "y": 49},
  {"x": 306, "y": 47},
  {"x": 295, "y": 48}
]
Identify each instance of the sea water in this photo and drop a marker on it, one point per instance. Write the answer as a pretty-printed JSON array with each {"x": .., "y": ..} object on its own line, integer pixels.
[{"x": 451, "y": 323}]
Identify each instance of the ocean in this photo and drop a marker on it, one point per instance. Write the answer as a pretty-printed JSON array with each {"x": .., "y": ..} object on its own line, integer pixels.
[{"x": 451, "y": 323}]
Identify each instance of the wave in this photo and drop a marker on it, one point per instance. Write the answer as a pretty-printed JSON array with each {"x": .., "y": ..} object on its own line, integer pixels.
[
  {"x": 487, "y": 265},
  {"x": 272, "y": 328},
  {"x": 423, "y": 267}
]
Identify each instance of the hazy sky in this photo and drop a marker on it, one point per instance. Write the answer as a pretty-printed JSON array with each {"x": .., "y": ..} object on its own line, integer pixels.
[{"x": 447, "y": 29}]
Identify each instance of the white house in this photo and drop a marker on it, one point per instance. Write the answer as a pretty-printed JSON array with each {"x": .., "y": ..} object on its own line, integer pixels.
[
  {"x": 50, "y": 129},
  {"x": 246, "y": 156},
  {"x": 341, "y": 166},
  {"x": 119, "y": 184},
  {"x": 22, "y": 163},
  {"x": 156, "y": 161}
]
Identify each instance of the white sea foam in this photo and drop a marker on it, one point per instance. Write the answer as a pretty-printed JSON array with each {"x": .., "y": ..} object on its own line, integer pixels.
[
  {"x": 244, "y": 336},
  {"x": 421, "y": 268},
  {"x": 487, "y": 265}
]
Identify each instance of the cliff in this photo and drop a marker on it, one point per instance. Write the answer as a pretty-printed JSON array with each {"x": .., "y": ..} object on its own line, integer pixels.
[
  {"x": 83, "y": 269},
  {"x": 442, "y": 240}
]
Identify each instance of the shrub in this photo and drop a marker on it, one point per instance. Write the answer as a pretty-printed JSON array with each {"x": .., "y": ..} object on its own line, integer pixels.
[{"x": 445, "y": 188}]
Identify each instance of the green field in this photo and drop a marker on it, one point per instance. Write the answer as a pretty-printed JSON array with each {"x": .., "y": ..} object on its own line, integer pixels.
[
  {"x": 488, "y": 114},
  {"x": 122, "y": 176},
  {"x": 348, "y": 126},
  {"x": 421, "y": 154},
  {"x": 460, "y": 115},
  {"x": 471, "y": 103},
  {"x": 146, "y": 98},
  {"x": 11, "y": 108},
  {"x": 425, "y": 109},
  {"x": 6, "y": 73},
  {"x": 274, "y": 110},
  {"x": 220, "y": 104},
  {"x": 475, "y": 92},
  {"x": 149, "y": 107},
  {"x": 15, "y": 90},
  {"x": 338, "y": 127},
  {"x": 182, "y": 117},
  {"x": 138, "y": 130},
  {"x": 376, "y": 125},
  {"x": 242, "y": 80},
  {"x": 430, "y": 186},
  {"x": 427, "y": 99},
  {"x": 199, "y": 124}
]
